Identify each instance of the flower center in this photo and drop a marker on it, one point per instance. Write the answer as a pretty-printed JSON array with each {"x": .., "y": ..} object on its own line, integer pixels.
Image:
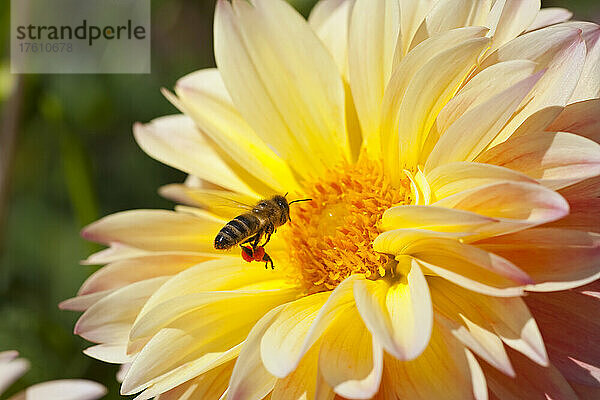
[{"x": 330, "y": 237}]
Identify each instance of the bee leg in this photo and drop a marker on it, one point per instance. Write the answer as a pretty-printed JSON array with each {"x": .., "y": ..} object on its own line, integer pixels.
[
  {"x": 250, "y": 239},
  {"x": 267, "y": 259},
  {"x": 256, "y": 240},
  {"x": 267, "y": 239},
  {"x": 270, "y": 229}
]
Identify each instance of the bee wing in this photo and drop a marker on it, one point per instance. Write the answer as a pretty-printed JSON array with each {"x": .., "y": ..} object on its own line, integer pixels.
[{"x": 220, "y": 202}]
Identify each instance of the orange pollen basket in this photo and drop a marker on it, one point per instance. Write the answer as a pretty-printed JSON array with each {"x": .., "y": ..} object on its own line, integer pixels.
[{"x": 331, "y": 237}]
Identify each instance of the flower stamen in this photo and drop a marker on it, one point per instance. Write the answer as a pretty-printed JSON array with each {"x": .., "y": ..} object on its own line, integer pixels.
[{"x": 330, "y": 237}]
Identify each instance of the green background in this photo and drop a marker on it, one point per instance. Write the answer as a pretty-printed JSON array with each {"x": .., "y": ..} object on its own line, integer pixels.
[{"x": 74, "y": 161}]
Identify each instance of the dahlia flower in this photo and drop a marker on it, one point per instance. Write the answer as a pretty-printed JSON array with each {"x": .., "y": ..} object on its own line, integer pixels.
[
  {"x": 450, "y": 247},
  {"x": 12, "y": 368}
]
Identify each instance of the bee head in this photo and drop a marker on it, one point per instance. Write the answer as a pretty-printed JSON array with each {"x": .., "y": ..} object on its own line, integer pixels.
[
  {"x": 292, "y": 202},
  {"x": 281, "y": 202}
]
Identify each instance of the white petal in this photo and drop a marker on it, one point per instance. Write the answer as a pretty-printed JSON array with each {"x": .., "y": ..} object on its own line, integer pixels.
[
  {"x": 67, "y": 389},
  {"x": 11, "y": 369}
]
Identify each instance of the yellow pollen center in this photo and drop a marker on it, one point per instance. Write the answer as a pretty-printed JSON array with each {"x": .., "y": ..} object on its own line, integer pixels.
[{"x": 331, "y": 237}]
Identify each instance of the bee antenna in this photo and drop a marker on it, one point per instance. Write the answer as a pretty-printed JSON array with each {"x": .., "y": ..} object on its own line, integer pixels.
[
  {"x": 298, "y": 201},
  {"x": 286, "y": 193}
]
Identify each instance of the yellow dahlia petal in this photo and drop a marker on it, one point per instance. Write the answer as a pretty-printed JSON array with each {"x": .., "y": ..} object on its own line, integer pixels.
[
  {"x": 518, "y": 205},
  {"x": 559, "y": 316},
  {"x": 250, "y": 379},
  {"x": 531, "y": 381},
  {"x": 124, "y": 272},
  {"x": 584, "y": 203},
  {"x": 219, "y": 202},
  {"x": 538, "y": 121},
  {"x": 204, "y": 97},
  {"x": 351, "y": 359},
  {"x": 467, "y": 259},
  {"x": 399, "y": 315},
  {"x": 489, "y": 321},
  {"x": 470, "y": 134},
  {"x": 432, "y": 218},
  {"x": 300, "y": 325},
  {"x": 584, "y": 216},
  {"x": 109, "y": 320},
  {"x": 426, "y": 94},
  {"x": 412, "y": 14},
  {"x": 398, "y": 240},
  {"x": 226, "y": 274},
  {"x": 372, "y": 41},
  {"x": 562, "y": 51},
  {"x": 588, "y": 86},
  {"x": 281, "y": 78},
  {"x": 406, "y": 70},
  {"x": 110, "y": 353},
  {"x": 156, "y": 230},
  {"x": 556, "y": 259},
  {"x": 346, "y": 112},
  {"x": 452, "y": 14},
  {"x": 479, "y": 89},
  {"x": 208, "y": 386},
  {"x": 549, "y": 16},
  {"x": 322, "y": 389},
  {"x": 115, "y": 252},
  {"x": 330, "y": 19},
  {"x": 443, "y": 371},
  {"x": 484, "y": 343},
  {"x": 63, "y": 389},
  {"x": 509, "y": 18},
  {"x": 200, "y": 338},
  {"x": 405, "y": 225},
  {"x": 301, "y": 383},
  {"x": 449, "y": 179},
  {"x": 175, "y": 141},
  {"x": 82, "y": 303},
  {"x": 202, "y": 366},
  {"x": 289, "y": 337},
  {"x": 582, "y": 118},
  {"x": 557, "y": 160},
  {"x": 585, "y": 190},
  {"x": 469, "y": 277},
  {"x": 206, "y": 305}
]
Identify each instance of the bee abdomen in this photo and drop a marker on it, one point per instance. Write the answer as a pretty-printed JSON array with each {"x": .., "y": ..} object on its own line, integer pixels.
[{"x": 237, "y": 230}]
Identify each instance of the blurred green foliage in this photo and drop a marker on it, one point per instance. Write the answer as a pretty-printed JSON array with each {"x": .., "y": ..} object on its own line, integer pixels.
[{"x": 76, "y": 161}]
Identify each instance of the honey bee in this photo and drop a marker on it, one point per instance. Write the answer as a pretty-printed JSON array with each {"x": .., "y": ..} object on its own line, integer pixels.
[{"x": 247, "y": 230}]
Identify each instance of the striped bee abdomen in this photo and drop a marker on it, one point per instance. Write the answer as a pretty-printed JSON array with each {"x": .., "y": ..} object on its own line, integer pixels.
[{"x": 237, "y": 230}]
